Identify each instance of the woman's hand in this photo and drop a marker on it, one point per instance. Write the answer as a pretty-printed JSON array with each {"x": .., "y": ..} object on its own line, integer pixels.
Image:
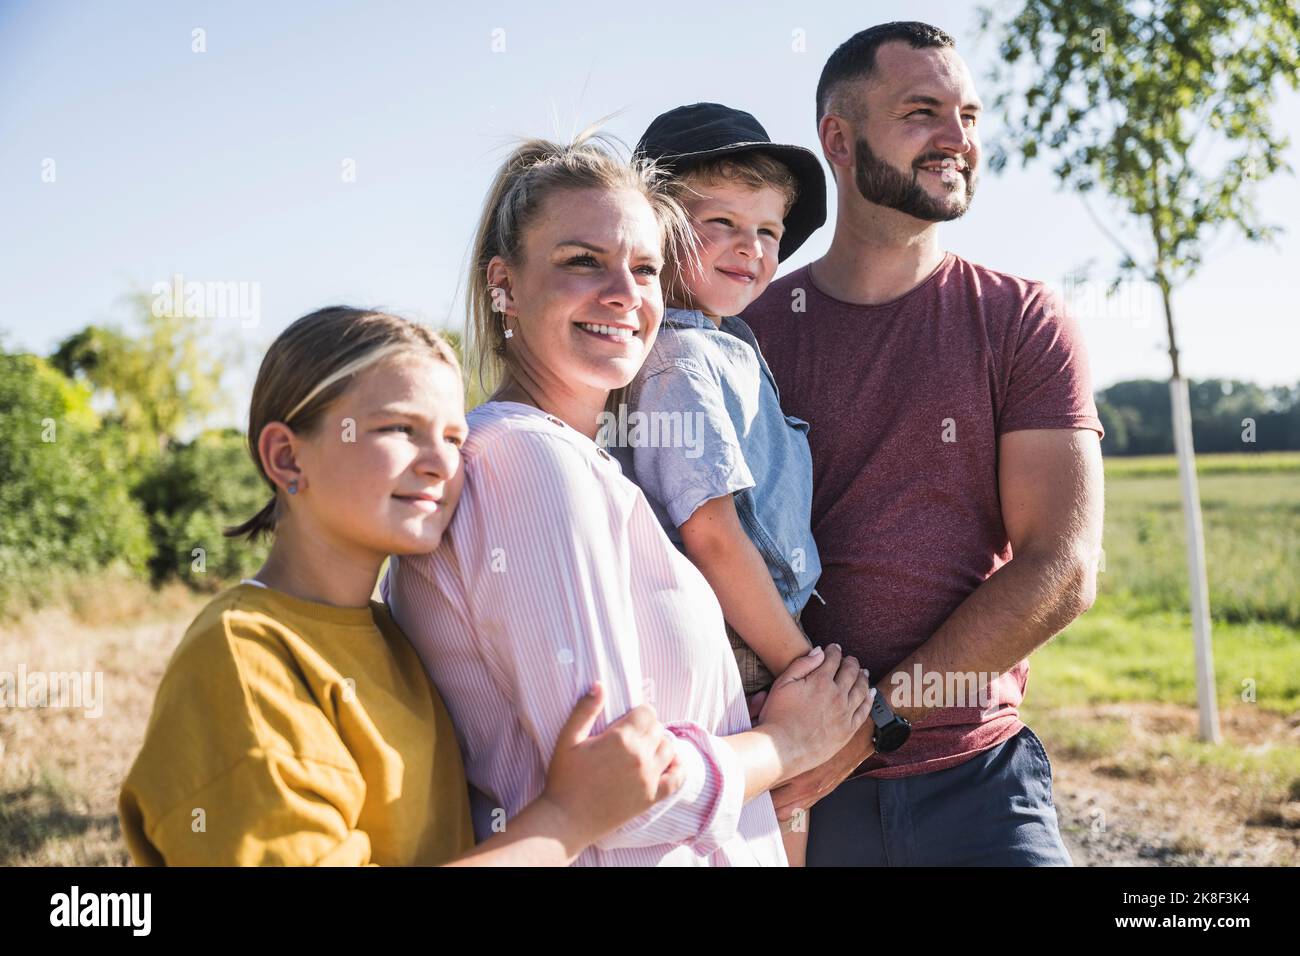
[
  {"x": 816, "y": 706},
  {"x": 602, "y": 782}
]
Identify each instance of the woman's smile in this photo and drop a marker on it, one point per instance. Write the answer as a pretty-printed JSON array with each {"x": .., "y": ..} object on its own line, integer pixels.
[{"x": 619, "y": 335}]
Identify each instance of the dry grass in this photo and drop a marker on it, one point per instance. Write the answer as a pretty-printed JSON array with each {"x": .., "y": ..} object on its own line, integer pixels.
[{"x": 60, "y": 769}]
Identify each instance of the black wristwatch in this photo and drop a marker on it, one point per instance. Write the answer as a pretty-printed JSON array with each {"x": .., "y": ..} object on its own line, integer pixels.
[{"x": 892, "y": 730}]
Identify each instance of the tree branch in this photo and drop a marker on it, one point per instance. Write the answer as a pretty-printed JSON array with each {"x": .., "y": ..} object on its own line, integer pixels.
[{"x": 1083, "y": 197}]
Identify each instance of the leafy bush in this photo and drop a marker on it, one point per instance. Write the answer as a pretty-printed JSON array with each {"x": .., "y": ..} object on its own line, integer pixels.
[
  {"x": 194, "y": 492},
  {"x": 65, "y": 505}
]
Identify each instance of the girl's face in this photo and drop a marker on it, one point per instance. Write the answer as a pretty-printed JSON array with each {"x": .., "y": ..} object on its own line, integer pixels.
[
  {"x": 382, "y": 471},
  {"x": 584, "y": 303}
]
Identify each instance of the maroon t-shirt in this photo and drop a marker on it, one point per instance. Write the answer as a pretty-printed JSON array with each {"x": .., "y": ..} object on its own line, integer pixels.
[{"x": 906, "y": 401}]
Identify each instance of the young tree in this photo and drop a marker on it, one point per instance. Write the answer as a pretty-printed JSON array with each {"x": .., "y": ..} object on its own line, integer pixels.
[
  {"x": 160, "y": 378},
  {"x": 1120, "y": 94}
]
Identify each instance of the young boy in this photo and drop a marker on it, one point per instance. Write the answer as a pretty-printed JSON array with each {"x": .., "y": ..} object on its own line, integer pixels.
[{"x": 728, "y": 474}]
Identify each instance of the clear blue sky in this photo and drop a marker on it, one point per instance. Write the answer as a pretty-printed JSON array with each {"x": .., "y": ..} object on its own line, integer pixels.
[{"x": 226, "y": 165}]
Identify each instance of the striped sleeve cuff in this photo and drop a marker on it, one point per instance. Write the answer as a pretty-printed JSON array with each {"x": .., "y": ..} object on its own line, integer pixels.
[{"x": 705, "y": 812}]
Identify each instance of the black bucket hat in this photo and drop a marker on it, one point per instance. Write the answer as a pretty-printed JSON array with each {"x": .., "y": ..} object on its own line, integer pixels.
[{"x": 683, "y": 138}]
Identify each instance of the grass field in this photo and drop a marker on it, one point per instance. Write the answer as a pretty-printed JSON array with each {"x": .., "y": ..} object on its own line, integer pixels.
[
  {"x": 1135, "y": 644},
  {"x": 1113, "y": 696}
]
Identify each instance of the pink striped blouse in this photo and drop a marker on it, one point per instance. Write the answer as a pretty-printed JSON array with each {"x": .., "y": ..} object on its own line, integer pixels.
[{"x": 554, "y": 573}]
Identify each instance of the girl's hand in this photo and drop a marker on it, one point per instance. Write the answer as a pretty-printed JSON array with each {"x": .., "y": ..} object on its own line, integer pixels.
[
  {"x": 602, "y": 782},
  {"x": 817, "y": 704}
]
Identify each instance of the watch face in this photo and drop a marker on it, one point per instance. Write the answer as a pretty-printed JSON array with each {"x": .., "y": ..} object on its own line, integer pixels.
[{"x": 893, "y": 735}]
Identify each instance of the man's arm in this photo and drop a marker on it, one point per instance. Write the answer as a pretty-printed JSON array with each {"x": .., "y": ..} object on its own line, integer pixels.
[{"x": 1050, "y": 482}]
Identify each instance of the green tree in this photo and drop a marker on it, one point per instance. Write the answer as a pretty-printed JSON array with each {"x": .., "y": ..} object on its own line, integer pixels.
[
  {"x": 1115, "y": 423},
  {"x": 1121, "y": 94},
  {"x": 159, "y": 379}
]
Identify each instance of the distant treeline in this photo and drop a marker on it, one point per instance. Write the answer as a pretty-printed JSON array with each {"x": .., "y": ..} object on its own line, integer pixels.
[{"x": 1226, "y": 416}]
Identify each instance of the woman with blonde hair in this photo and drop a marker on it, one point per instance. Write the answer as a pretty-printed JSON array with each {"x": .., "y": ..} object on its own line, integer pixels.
[
  {"x": 555, "y": 572},
  {"x": 294, "y": 724}
]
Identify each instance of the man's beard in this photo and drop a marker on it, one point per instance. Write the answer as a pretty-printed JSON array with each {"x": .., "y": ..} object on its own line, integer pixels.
[{"x": 882, "y": 184}]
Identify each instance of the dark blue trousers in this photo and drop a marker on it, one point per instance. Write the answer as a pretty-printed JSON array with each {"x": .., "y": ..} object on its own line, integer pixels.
[{"x": 993, "y": 810}]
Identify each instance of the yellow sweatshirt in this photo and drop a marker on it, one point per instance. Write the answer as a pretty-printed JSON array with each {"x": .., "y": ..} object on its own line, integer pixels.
[{"x": 295, "y": 733}]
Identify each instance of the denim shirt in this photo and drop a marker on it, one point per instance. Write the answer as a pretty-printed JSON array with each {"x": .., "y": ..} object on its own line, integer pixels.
[{"x": 703, "y": 419}]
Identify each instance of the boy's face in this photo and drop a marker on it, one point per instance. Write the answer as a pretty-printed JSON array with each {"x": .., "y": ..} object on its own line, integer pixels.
[{"x": 740, "y": 230}]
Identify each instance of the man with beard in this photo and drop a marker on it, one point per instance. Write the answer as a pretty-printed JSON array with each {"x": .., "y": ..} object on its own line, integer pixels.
[{"x": 952, "y": 426}]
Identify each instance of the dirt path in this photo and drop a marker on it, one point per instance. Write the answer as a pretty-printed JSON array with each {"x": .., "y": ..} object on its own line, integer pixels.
[{"x": 1148, "y": 803}]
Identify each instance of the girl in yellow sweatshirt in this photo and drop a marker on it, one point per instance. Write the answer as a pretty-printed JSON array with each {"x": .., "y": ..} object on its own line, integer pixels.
[{"x": 295, "y": 724}]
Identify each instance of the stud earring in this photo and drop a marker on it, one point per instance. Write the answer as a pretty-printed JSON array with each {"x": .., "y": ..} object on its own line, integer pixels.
[{"x": 293, "y": 486}]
